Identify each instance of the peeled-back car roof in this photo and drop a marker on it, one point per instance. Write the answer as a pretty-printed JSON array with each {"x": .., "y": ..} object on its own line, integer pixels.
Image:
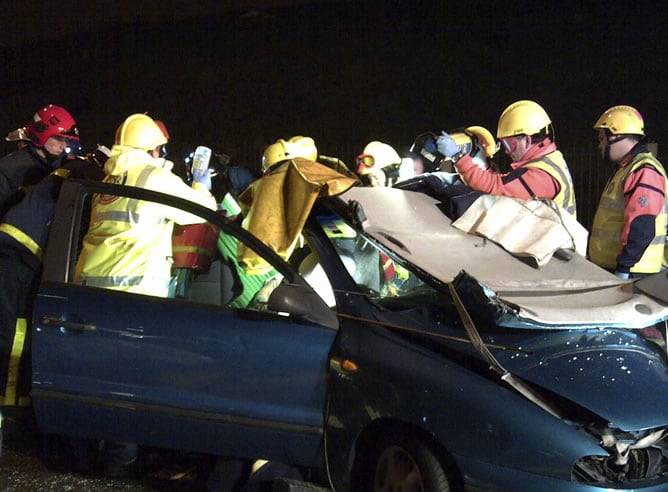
[{"x": 562, "y": 292}]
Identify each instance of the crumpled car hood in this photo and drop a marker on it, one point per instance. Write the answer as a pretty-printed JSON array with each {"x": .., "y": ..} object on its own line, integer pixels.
[
  {"x": 556, "y": 311},
  {"x": 612, "y": 372}
]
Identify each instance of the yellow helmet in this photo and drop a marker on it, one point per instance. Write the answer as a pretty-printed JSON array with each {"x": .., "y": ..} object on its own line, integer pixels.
[
  {"x": 621, "y": 120},
  {"x": 463, "y": 140},
  {"x": 303, "y": 147},
  {"x": 522, "y": 118},
  {"x": 140, "y": 132},
  {"x": 274, "y": 153},
  {"x": 282, "y": 150},
  {"x": 475, "y": 140},
  {"x": 485, "y": 139},
  {"x": 376, "y": 156}
]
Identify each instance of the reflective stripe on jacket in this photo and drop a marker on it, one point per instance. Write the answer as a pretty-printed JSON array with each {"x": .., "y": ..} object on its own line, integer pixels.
[
  {"x": 555, "y": 165},
  {"x": 22, "y": 169},
  {"x": 27, "y": 222},
  {"x": 612, "y": 221},
  {"x": 129, "y": 243}
]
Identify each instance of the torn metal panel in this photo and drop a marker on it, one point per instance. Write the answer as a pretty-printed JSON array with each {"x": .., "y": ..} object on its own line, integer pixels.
[{"x": 563, "y": 292}]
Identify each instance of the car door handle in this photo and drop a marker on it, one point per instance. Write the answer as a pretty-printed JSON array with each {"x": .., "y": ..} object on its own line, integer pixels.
[{"x": 68, "y": 325}]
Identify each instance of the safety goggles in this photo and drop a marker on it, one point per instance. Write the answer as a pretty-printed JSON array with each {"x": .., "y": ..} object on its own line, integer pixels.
[
  {"x": 615, "y": 139},
  {"x": 364, "y": 163},
  {"x": 366, "y": 160},
  {"x": 509, "y": 144}
]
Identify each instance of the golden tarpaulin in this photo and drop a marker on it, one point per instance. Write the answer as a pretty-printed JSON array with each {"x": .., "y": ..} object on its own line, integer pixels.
[{"x": 276, "y": 206}]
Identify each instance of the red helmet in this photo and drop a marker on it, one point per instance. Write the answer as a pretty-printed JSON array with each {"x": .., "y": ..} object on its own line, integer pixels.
[
  {"x": 52, "y": 121},
  {"x": 163, "y": 128}
]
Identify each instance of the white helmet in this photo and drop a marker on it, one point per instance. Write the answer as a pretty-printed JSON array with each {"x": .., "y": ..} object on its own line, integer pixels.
[{"x": 376, "y": 156}]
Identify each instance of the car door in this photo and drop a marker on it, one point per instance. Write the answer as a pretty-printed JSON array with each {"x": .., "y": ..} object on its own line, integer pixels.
[{"x": 186, "y": 371}]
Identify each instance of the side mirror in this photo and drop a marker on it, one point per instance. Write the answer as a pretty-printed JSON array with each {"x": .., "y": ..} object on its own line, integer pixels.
[{"x": 302, "y": 302}]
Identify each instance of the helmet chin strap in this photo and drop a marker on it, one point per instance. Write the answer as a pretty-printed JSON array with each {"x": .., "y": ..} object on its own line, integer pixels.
[
  {"x": 51, "y": 158},
  {"x": 606, "y": 156}
]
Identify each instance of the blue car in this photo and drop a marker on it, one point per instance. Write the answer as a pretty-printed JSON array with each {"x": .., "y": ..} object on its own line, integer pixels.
[{"x": 391, "y": 351}]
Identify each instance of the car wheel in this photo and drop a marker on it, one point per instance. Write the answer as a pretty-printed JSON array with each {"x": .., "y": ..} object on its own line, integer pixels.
[{"x": 404, "y": 463}]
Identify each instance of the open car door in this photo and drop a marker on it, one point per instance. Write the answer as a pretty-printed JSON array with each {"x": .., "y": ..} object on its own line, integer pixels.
[{"x": 187, "y": 371}]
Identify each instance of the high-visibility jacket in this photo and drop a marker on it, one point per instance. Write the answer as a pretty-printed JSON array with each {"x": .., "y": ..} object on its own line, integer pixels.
[
  {"x": 129, "y": 242},
  {"x": 542, "y": 174},
  {"x": 622, "y": 238},
  {"x": 555, "y": 165}
]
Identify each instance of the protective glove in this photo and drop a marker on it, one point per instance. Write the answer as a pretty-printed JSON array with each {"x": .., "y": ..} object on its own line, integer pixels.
[
  {"x": 446, "y": 145},
  {"x": 203, "y": 177},
  {"x": 622, "y": 275}
]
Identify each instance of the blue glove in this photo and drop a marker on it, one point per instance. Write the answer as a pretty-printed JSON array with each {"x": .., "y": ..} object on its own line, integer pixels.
[
  {"x": 622, "y": 275},
  {"x": 446, "y": 145},
  {"x": 202, "y": 177}
]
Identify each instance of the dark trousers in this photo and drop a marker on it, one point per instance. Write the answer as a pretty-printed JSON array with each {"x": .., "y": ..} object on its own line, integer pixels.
[{"x": 19, "y": 279}]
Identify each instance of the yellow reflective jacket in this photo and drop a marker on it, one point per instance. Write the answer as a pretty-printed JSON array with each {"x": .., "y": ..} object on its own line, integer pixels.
[
  {"x": 606, "y": 239},
  {"x": 555, "y": 165},
  {"x": 277, "y": 205},
  {"x": 128, "y": 245}
]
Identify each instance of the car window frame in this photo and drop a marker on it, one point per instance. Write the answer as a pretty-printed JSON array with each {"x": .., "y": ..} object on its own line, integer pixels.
[{"x": 67, "y": 225}]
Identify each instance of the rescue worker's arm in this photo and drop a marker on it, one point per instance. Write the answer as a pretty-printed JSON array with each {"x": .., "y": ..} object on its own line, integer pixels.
[
  {"x": 644, "y": 196},
  {"x": 168, "y": 182},
  {"x": 523, "y": 182}
]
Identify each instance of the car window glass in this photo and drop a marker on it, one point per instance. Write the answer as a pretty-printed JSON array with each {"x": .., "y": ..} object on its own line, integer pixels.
[
  {"x": 306, "y": 260},
  {"x": 200, "y": 258},
  {"x": 370, "y": 266}
]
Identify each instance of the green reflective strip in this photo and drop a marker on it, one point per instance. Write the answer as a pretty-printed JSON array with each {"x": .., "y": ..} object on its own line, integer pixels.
[{"x": 22, "y": 238}]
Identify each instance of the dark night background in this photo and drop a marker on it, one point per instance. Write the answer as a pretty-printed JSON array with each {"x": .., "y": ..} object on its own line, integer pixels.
[{"x": 236, "y": 75}]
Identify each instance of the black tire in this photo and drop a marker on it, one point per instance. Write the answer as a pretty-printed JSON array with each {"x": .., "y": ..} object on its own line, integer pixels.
[{"x": 402, "y": 463}]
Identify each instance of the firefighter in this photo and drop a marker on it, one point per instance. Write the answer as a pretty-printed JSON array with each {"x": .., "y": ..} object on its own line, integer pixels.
[
  {"x": 50, "y": 132},
  {"x": 124, "y": 253},
  {"x": 23, "y": 233},
  {"x": 538, "y": 168},
  {"x": 379, "y": 164},
  {"x": 277, "y": 205},
  {"x": 629, "y": 229}
]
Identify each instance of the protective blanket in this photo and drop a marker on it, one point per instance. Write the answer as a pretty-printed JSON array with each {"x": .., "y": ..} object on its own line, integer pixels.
[
  {"x": 276, "y": 206},
  {"x": 531, "y": 229}
]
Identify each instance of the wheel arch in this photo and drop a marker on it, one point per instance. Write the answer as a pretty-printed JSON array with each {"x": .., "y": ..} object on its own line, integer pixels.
[{"x": 379, "y": 427}]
